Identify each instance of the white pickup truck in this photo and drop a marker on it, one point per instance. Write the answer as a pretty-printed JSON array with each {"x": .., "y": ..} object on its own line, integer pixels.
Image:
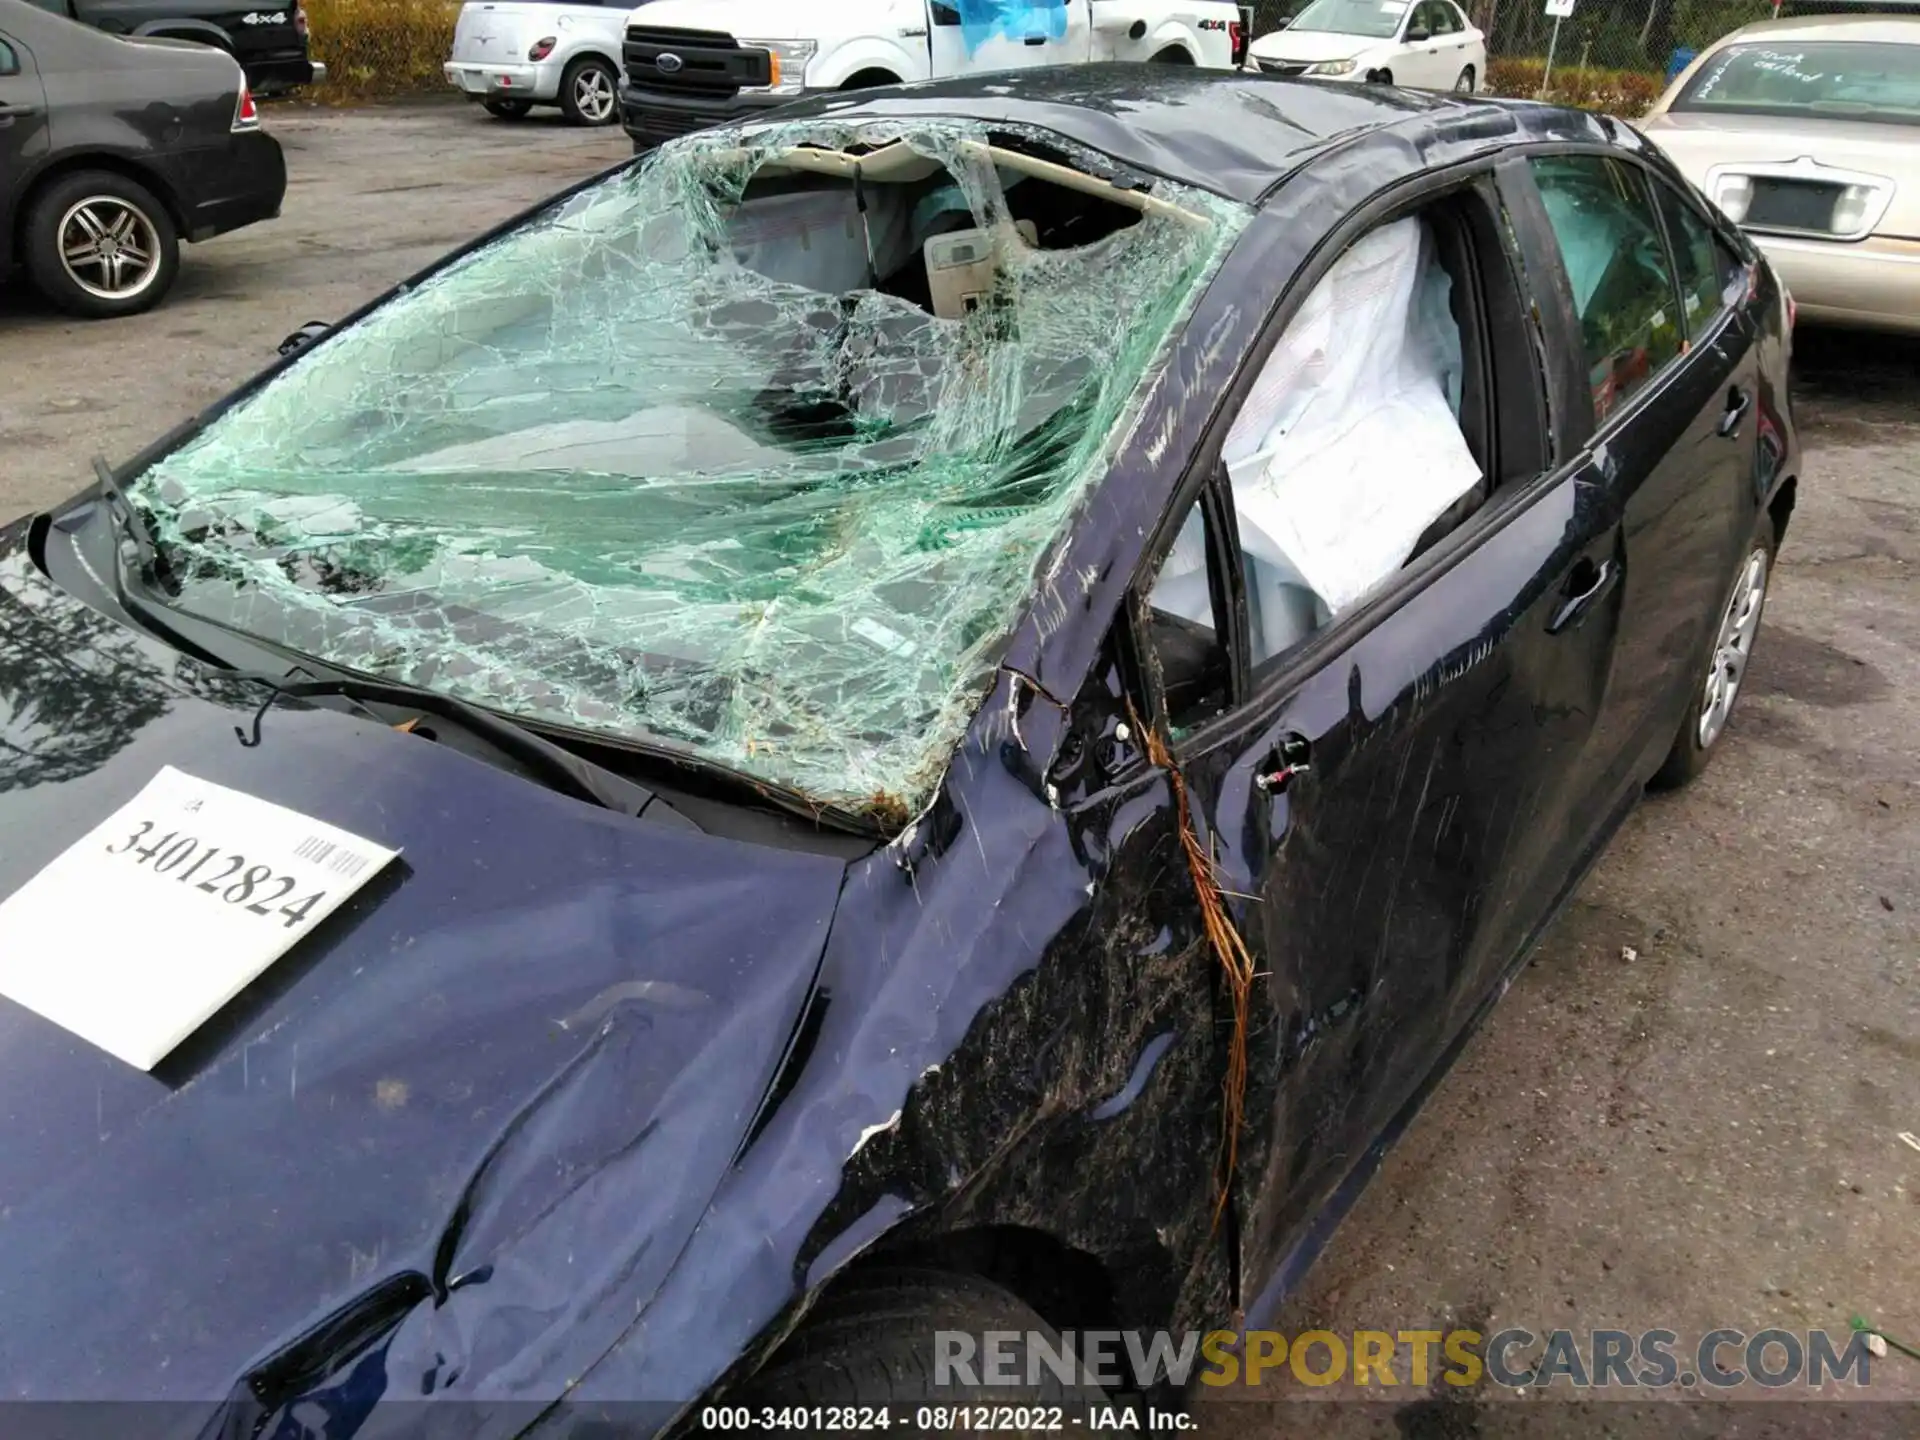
[{"x": 694, "y": 63}]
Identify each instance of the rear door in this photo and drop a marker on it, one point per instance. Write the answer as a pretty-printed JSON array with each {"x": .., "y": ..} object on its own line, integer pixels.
[
  {"x": 1672, "y": 377},
  {"x": 1387, "y": 798},
  {"x": 1427, "y": 62},
  {"x": 25, "y": 131},
  {"x": 968, "y": 39}
]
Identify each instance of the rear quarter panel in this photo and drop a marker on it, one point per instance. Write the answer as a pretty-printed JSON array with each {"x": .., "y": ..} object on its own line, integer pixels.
[{"x": 138, "y": 103}]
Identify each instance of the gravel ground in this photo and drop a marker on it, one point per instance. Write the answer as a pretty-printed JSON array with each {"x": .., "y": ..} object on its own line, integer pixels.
[
  {"x": 372, "y": 196},
  {"x": 1703, "y": 1136}
]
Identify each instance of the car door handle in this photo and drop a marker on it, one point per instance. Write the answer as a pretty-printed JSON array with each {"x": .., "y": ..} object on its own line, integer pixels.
[
  {"x": 1737, "y": 402},
  {"x": 9, "y": 111},
  {"x": 1586, "y": 584},
  {"x": 1036, "y": 39}
]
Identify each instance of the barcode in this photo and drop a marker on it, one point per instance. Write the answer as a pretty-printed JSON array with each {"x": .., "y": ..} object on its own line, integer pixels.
[{"x": 328, "y": 855}]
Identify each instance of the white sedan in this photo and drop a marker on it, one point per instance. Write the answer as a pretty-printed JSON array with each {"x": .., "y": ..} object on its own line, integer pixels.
[{"x": 1427, "y": 44}]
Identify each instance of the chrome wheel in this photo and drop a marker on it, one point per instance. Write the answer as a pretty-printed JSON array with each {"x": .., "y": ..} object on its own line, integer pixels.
[
  {"x": 593, "y": 95},
  {"x": 1734, "y": 647},
  {"x": 109, "y": 247},
  {"x": 1464, "y": 85}
]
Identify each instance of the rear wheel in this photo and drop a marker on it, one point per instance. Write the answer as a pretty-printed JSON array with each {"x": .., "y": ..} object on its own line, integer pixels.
[
  {"x": 1738, "y": 625},
  {"x": 871, "y": 1342},
  {"x": 590, "y": 92},
  {"x": 101, "y": 245},
  {"x": 1464, "y": 85},
  {"x": 508, "y": 109},
  {"x": 1172, "y": 55}
]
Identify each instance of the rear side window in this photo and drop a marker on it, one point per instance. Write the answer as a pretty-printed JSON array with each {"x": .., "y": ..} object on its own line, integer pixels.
[
  {"x": 1623, "y": 288},
  {"x": 1708, "y": 272},
  {"x": 9, "y": 62}
]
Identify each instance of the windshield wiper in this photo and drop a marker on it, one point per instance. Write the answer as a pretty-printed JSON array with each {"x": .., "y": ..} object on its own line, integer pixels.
[
  {"x": 559, "y": 767},
  {"x": 781, "y": 797},
  {"x": 129, "y": 525},
  {"x": 555, "y": 764}
]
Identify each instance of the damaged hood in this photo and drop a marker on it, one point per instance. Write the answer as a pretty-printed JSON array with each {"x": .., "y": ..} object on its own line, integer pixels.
[{"x": 475, "y": 1114}]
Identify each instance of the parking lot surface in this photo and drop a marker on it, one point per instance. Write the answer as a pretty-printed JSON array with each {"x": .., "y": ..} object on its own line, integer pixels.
[{"x": 1703, "y": 1135}]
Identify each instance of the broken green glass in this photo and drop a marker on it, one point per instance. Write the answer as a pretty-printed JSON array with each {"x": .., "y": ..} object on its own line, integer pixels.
[{"x": 689, "y": 458}]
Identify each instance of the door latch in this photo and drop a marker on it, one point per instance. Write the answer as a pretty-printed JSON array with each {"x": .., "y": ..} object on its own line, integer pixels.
[{"x": 1292, "y": 757}]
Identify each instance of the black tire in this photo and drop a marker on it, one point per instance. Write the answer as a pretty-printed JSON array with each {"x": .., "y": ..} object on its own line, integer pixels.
[
  {"x": 1380, "y": 77},
  {"x": 1464, "y": 85},
  {"x": 1689, "y": 755},
  {"x": 115, "y": 194},
  {"x": 605, "y": 108},
  {"x": 507, "y": 109},
  {"x": 1172, "y": 55},
  {"x": 870, "y": 1342}
]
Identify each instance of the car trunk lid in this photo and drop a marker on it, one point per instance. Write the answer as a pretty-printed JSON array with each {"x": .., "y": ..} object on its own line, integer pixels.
[{"x": 1800, "y": 169}]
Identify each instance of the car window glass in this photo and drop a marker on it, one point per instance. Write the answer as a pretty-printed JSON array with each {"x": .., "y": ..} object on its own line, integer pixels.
[
  {"x": 1706, "y": 269},
  {"x": 1185, "y": 634},
  {"x": 1460, "y": 21},
  {"x": 9, "y": 62},
  {"x": 1853, "y": 80},
  {"x": 1375, "y": 19},
  {"x": 1623, "y": 293},
  {"x": 1441, "y": 18}
]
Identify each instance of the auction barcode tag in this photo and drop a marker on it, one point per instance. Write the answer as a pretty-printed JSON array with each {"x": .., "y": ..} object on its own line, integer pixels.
[{"x": 166, "y": 910}]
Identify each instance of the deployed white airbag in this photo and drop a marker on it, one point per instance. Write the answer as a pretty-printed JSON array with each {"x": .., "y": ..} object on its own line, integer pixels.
[{"x": 1348, "y": 447}]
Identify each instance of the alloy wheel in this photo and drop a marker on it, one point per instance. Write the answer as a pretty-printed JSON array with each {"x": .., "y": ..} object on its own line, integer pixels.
[
  {"x": 109, "y": 247},
  {"x": 1734, "y": 647},
  {"x": 593, "y": 94}
]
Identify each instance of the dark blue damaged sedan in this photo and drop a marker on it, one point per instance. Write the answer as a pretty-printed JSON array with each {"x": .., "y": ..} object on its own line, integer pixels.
[{"x": 944, "y": 709}]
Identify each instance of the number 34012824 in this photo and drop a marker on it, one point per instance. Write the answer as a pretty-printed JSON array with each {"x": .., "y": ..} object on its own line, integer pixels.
[{"x": 223, "y": 874}]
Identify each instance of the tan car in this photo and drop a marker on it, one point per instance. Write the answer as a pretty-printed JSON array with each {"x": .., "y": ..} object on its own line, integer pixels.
[{"x": 1807, "y": 134}]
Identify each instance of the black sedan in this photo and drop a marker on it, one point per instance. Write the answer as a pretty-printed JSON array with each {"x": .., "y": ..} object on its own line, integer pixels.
[
  {"x": 113, "y": 151},
  {"x": 934, "y": 715}
]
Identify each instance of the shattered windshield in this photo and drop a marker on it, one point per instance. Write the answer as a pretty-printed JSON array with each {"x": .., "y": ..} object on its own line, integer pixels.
[{"x": 751, "y": 449}]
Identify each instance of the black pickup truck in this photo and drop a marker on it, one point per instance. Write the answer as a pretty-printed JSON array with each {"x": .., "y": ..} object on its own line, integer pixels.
[{"x": 269, "y": 39}]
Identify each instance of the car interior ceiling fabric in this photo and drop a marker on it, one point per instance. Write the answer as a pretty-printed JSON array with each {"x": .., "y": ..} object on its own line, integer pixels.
[{"x": 1348, "y": 445}]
